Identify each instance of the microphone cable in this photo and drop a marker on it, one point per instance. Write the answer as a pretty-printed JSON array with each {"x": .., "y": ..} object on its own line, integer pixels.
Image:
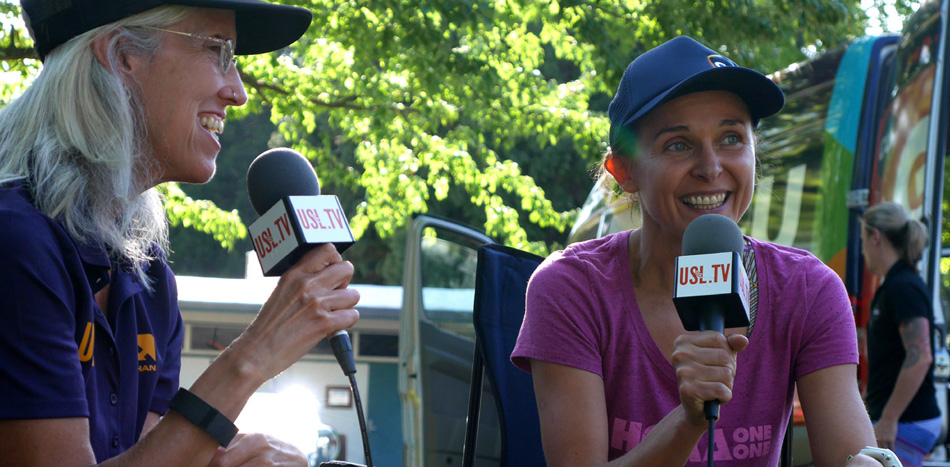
[
  {"x": 362, "y": 419},
  {"x": 709, "y": 449},
  {"x": 343, "y": 351}
]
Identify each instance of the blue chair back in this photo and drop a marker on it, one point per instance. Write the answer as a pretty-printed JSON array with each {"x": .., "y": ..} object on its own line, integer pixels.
[{"x": 501, "y": 280}]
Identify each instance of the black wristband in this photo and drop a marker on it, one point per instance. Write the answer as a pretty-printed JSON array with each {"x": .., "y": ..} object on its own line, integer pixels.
[{"x": 203, "y": 416}]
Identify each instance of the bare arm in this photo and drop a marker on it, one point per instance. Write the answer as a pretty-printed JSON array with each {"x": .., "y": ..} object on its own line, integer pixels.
[
  {"x": 573, "y": 411},
  {"x": 915, "y": 335},
  {"x": 573, "y": 416},
  {"x": 838, "y": 424},
  {"x": 310, "y": 302},
  {"x": 151, "y": 420}
]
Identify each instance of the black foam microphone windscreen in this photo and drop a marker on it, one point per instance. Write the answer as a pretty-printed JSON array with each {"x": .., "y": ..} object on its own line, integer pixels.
[
  {"x": 277, "y": 173},
  {"x": 712, "y": 233}
]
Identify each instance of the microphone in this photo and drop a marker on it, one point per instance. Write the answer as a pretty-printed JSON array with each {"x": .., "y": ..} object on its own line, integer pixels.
[
  {"x": 711, "y": 290},
  {"x": 294, "y": 216},
  {"x": 285, "y": 193}
]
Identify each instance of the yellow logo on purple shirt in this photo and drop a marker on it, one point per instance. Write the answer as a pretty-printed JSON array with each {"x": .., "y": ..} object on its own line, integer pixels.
[
  {"x": 86, "y": 345},
  {"x": 146, "y": 351}
]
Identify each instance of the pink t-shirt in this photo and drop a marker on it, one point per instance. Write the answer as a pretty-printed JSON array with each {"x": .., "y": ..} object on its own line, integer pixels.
[{"x": 581, "y": 312}]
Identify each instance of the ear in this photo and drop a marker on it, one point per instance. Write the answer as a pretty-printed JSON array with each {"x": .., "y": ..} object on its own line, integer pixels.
[
  {"x": 620, "y": 168},
  {"x": 100, "y": 47}
]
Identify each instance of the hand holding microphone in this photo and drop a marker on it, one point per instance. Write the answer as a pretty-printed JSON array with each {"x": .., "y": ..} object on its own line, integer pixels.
[
  {"x": 711, "y": 293},
  {"x": 292, "y": 239},
  {"x": 296, "y": 241},
  {"x": 705, "y": 366}
]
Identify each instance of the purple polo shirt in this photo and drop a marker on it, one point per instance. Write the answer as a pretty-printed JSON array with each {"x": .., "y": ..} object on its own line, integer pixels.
[{"x": 60, "y": 355}]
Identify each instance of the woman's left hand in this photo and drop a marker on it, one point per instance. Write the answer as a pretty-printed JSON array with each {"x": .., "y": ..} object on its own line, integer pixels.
[
  {"x": 247, "y": 449},
  {"x": 885, "y": 431}
]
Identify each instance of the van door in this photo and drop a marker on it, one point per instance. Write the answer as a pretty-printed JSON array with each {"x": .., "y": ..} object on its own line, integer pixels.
[
  {"x": 436, "y": 345},
  {"x": 910, "y": 164}
]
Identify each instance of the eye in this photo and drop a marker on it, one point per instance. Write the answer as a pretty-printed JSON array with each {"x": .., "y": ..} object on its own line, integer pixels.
[
  {"x": 677, "y": 146},
  {"x": 732, "y": 139}
]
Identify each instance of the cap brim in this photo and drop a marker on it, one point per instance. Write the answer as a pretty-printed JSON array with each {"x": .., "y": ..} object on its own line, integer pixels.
[
  {"x": 761, "y": 95},
  {"x": 261, "y": 27}
]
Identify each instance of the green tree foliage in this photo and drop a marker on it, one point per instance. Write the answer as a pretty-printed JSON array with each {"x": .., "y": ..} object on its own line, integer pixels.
[{"x": 463, "y": 107}]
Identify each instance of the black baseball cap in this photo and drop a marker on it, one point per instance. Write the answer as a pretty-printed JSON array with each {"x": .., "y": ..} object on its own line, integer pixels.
[
  {"x": 682, "y": 66},
  {"x": 261, "y": 26}
]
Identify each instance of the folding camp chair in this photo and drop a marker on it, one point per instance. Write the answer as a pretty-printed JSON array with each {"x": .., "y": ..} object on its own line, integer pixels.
[{"x": 501, "y": 280}]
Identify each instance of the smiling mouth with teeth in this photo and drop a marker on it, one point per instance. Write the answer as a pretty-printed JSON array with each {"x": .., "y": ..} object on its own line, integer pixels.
[
  {"x": 212, "y": 124},
  {"x": 705, "y": 202}
]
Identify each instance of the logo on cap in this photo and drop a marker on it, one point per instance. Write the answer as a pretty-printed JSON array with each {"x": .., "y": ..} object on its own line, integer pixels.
[{"x": 718, "y": 61}]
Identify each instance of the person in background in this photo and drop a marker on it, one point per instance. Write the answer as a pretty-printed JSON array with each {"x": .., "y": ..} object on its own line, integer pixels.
[
  {"x": 133, "y": 94},
  {"x": 618, "y": 380},
  {"x": 900, "y": 394}
]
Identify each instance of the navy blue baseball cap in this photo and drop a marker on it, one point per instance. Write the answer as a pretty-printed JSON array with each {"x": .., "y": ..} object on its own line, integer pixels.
[
  {"x": 261, "y": 26},
  {"x": 682, "y": 66}
]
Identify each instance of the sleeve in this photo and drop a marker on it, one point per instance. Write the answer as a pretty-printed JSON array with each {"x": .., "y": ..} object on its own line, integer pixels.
[
  {"x": 168, "y": 379},
  {"x": 558, "y": 325},
  {"x": 40, "y": 370},
  {"x": 828, "y": 336},
  {"x": 907, "y": 300}
]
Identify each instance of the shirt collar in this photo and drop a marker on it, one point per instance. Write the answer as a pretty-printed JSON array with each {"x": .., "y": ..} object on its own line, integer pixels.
[
  {"x": 96, "y": 264},
  {"x": 895, "y": 269}
]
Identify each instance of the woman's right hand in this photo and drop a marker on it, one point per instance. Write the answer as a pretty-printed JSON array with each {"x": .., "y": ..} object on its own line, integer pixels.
[
  {"x": 310, "y": 302},
  {"x": 705, "y": 365}
]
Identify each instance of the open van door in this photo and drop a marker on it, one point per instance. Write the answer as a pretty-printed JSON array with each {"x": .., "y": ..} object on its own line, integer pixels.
[
  {"x": 935, "y": 213},
  {"x": 437, "y": 343},
  {"x": 910, "y": 164}
]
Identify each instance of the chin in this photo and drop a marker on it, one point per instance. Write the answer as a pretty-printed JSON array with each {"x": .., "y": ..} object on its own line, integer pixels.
[
  {"x": 197, "y": 178},
  {"x": 205, "y": 174},
  {"x": 203, "y": 179}
]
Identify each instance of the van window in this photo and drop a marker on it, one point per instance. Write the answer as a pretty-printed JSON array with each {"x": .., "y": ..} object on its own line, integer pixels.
[
  {"x": 448, "y": 280},
  {"x": 792, "y": 147},
  {"x": 604, "y": 212}
]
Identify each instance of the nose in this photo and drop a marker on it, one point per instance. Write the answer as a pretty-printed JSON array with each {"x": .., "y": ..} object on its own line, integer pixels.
[
  {"x": 707, "y": 164},
  {"x": 233, "y": 90}
]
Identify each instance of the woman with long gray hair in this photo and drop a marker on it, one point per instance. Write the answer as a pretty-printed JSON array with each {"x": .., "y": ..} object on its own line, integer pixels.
[
  {"x": 133, "y": 94},
  {"x": 900, "y": 392}
]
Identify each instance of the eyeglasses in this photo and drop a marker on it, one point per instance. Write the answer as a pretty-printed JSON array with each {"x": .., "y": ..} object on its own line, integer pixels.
[{"x": 223, "y": 47}]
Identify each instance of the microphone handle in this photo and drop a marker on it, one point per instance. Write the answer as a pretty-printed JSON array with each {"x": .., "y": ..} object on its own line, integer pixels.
[
  {"x": 712, "y": 320},
  {"x": 343, "y": 351}
]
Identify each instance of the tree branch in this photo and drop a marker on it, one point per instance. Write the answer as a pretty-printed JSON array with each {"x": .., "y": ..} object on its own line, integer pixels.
[
  {"x": 18, "y": 54},
  {"x": 344, "y": 103}
]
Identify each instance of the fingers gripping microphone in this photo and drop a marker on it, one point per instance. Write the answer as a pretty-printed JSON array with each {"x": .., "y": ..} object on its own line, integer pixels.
[
  {"x": 295, "y": 217},
  {"x": 711, "y": 290}
]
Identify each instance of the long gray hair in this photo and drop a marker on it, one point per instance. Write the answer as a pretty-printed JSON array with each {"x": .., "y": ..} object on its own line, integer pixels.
[{"x": 76, "y": 138}]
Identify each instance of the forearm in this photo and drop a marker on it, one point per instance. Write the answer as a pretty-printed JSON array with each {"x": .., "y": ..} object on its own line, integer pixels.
[
  {"x": 908, "y": 383},
  {"x": 226, "y": 385},
  {"x": 837, "y": 421},
  {"x": 229, "y": 381},
  {"x": 670, "y": 443}
]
